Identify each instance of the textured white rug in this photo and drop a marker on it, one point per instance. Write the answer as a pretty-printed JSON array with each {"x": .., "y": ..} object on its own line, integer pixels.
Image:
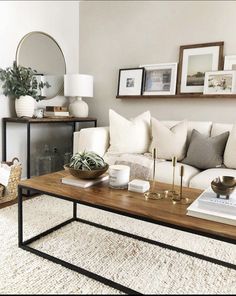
[{"x": 141, "y": 266}]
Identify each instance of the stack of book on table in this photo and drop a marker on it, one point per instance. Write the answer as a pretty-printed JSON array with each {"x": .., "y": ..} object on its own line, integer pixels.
[
  {"x": 55, "y": 111},
  {"x": 208, "y": 206},
  {"x": 83, "y": 183}
]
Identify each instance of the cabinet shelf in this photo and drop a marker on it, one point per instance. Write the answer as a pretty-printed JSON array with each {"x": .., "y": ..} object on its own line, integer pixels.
[{"x": 180, "y": 96}]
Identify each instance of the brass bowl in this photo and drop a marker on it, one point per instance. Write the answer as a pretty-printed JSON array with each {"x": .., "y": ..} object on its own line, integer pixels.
[
  {"x": 93, "y": 174},
  {"x": 223, "y": 185}
]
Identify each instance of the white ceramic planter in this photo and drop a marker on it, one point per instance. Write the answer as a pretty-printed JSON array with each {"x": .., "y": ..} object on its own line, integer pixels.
[{"x": 25, "y": 106}]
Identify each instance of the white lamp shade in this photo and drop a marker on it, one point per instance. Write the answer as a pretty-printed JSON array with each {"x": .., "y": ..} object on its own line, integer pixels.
[{"x": 78, "y": 85}]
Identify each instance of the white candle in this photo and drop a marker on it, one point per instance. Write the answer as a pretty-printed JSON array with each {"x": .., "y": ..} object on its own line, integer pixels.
[{"x": 119, "y": 176}]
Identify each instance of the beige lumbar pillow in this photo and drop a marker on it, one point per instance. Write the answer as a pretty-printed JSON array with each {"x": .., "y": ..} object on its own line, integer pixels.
[
  {"x": 129, "y": 136},
  {"x": 169, "y": 142},
  {"x": 230, "y": 150}
]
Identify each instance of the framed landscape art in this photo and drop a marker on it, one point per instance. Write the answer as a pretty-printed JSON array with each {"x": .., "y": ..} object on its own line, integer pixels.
[
  {"x": 160, "y": 79},
  {"x": 194, "y": 61}
]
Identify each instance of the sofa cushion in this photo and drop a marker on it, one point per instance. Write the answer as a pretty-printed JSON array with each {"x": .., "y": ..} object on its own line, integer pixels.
[
  {"x": 129, "y": 136},
  {"x": 230, "y": 150},
  {"x": 206, "y": 152},
  {"x": 169, "y": 142},
  {"x": 220, "y": 128},
  {"x": 94, "y": 139},
  {"x": 164, "y": 173},
  {"x": 203, "y": 179},
  {"x": 203, "y": 127}
]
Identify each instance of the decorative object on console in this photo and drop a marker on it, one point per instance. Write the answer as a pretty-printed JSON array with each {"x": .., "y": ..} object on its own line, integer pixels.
[
  {"x": 130, "y": 82},
  {"x": 78, "y": 85},
  {"x": 21, "y": 84},
  {"x": 41, "y": 52},
  {"x": 119, "y": 176},
  {"x": 230, "y": 62},
  {"x": 160, "y": 79},
  {"x": 220, "y": 82},
  {"x": 223, "y": 185},
  {"x": 194, "y": 61},
  {"x": 129, "y": 136},
  {"x": 52, "y": 111},
  {"x": 170, "y": 141},
  {"x": 206, "y": 152},
  {"x": 86, "y": 165},
  {"x": 38, "y": 113}
]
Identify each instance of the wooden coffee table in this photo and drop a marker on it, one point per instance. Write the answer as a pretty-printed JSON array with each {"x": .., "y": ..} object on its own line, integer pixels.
[{"x": 125, "y": 203}]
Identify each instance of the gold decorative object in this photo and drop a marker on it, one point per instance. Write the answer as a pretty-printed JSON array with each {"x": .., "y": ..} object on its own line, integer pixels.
[
  {"x": 223, "y": 185},
  {"x": 152, "y": 194},
  {"x": 178, "y": 198},
  {"x": 174, "y": 160}
]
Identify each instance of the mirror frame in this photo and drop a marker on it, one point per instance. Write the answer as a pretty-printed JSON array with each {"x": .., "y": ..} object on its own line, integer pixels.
[{"x": 49, "y": 36}]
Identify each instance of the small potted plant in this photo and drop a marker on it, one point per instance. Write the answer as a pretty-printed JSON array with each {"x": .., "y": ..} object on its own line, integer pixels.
[
  {"x": 87, "y": 165},
  {"x": 21, "y": 84}
]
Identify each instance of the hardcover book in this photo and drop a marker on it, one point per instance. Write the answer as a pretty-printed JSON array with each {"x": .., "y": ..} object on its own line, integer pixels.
[
  {"x": 208, "y": 207},
  {"x": 71, "y": 180},
  {"x": 56, "y": 108}
]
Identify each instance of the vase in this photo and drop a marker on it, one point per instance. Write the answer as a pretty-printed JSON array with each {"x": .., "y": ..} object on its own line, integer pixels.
[{"x": 25, "y": 106}]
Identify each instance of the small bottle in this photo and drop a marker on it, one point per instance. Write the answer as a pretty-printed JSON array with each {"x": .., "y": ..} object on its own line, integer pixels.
[
  {"x": 67, "y": 157},
  {"x": 44, "y": 162}
]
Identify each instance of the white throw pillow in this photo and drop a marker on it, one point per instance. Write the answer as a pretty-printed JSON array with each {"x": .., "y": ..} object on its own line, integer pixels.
[
  {"x": 169, "y": 141},
  {"x": 129, "y": 136},
  {"x": 230, "y": 150}
]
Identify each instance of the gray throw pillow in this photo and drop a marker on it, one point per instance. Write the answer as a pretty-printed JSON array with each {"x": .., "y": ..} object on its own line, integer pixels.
[{"x": 206, "y": 152}]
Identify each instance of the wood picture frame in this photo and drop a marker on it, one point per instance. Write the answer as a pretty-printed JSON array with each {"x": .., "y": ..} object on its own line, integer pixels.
[
  {"x": 160, "y": 79},
  {"x": 130, "y": 82},
  {"x": 194, "y": 61}
]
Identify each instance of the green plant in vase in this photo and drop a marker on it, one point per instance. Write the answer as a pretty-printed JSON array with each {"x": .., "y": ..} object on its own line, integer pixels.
[
  {"x": 21, "y": 83},
  {"x": 87, "y": 165}
]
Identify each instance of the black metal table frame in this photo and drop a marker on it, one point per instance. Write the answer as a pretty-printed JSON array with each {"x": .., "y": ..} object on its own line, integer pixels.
[
  {"x": 28, "y": 137},
  {"x": 25, "y": 244}
]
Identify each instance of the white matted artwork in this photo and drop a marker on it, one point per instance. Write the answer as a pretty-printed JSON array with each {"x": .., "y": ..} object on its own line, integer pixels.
[
  {"x": 130, "y": 82},
  {"x": 195, "y": 61},
  {"x": 230, "y": 62},
  {"x": 160, "y": 79},
  {"x": 220, "y": 82}
]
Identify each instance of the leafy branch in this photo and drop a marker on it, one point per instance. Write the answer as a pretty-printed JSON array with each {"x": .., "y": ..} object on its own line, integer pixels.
[{"x": 21, "y": 81}]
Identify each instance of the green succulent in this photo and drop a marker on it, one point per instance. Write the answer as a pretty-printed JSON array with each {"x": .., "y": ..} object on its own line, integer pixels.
[
  {"x": 87, "y": 160},
  {"x": 20, "y": 81}
]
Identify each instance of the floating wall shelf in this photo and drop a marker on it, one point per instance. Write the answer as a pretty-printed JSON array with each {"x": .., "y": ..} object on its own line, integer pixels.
[{"x": 181, "y": 96}]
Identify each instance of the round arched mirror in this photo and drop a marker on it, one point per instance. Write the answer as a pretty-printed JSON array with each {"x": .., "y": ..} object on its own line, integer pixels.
[{"x": 42, "y": 53}]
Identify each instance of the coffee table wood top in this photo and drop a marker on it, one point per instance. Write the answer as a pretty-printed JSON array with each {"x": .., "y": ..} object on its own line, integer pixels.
[{"x": 131, "y": 203}]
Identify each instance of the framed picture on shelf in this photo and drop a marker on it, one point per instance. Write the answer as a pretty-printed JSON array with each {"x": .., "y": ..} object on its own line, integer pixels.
[
  {"x": 130, "y": 82},
  {"x": 220, "y": 82},
  {"x": 160, "y": 79},
  {"x": 230, "y": 62},
  {"x": 194, "y": 61}
]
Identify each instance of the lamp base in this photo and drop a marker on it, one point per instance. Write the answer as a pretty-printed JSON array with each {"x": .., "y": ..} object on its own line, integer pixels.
[{"x": 78, "y": 108}]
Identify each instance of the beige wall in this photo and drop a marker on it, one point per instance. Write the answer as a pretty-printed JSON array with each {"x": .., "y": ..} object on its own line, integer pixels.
[
  {"x": 120, "y": 34},
  {"x": 60, "y": 19}
]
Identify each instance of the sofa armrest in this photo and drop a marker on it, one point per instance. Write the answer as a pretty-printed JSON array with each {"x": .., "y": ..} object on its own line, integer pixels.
[{"x": 92, "y": 139}]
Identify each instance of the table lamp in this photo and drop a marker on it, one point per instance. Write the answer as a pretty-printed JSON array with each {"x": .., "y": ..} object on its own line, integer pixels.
[{"x": 78, "y": 86}]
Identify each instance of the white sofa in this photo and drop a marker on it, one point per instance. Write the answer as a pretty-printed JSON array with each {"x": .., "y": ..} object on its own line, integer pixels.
[{"x": 97, "y": 140}]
